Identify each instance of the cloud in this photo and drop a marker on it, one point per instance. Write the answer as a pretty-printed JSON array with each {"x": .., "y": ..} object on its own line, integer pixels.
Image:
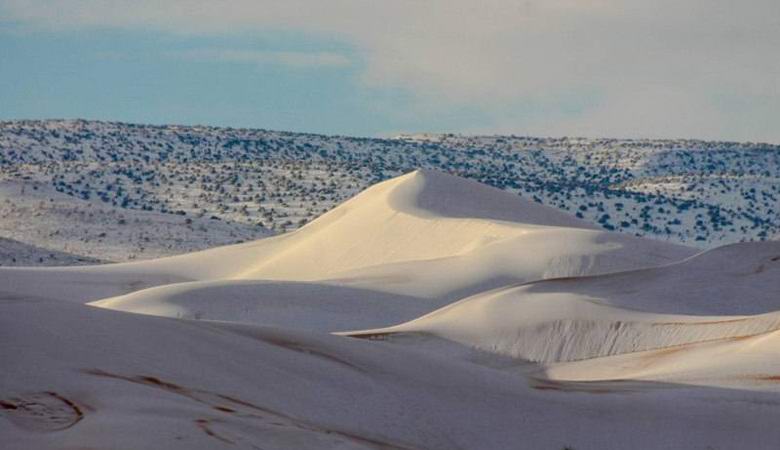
[
  {"x": 290, "y": 59},
  {"x": 659, "y": 68}
]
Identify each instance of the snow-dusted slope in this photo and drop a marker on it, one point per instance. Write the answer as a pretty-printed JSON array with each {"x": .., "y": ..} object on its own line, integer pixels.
[
  {"x": 15, "y": 253},
  {"x": 36, "y": 214},
  {"x": 693, "y": 192}
]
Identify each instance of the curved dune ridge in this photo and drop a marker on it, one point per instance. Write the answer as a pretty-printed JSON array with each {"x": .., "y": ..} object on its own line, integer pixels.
[
  {"x": 734, "y": 279},
  {"x": 748, "y": 361},
  {"x": 559, "y": 327},
  {"x": 296, "y": 305},
  {"x": 594, "y": 316},
  {"x": 479, "y": 312}
]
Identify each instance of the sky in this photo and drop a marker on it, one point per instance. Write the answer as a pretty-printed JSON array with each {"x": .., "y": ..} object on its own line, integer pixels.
[{"x": 705, "y": 69}]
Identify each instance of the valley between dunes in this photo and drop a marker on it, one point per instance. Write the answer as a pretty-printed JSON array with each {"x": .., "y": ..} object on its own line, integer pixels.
[{"x": 427, "y": 312}]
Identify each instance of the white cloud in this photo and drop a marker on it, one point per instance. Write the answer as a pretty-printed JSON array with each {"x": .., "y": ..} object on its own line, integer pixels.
[{"x": 656, "y": 67}]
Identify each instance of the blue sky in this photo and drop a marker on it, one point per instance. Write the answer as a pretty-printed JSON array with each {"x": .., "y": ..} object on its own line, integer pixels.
[
  {"x": 686, "y": 68},
  {"x": 161, "y": 78},
  {"x": 158, "y": 77}
]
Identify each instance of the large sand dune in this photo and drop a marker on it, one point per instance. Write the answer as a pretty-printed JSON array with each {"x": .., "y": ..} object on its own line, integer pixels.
[
  {"x": 494, "y": 322},
  {"x": 394, "y": 237}
]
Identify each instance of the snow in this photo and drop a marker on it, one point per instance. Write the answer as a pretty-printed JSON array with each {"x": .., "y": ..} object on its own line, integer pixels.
[
  {"x": 241, "y": 184},
  {"x": 37, "y": 215},
  {"x": 492, "y": 322},
  {"x": 17, "y": 253}
]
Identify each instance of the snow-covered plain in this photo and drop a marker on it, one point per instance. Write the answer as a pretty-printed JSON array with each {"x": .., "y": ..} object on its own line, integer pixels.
[{"x": 428, "y": 312}]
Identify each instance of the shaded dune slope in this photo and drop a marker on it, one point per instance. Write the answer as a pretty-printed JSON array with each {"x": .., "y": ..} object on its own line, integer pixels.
[{"x": 592, "y": 317}]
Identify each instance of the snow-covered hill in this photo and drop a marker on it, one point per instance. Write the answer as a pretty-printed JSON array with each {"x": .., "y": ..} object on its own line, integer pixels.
[
  {"x": 37, "y": 215},
  {"x": 698, "y": 193}
]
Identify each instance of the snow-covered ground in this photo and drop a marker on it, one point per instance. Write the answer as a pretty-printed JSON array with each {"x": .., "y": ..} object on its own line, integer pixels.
[
  {"x": 428, "y": 312},
  {"x": 15, "y": 253},
  {"x": 37, "y": 215},
  {"x": 257, "y": 182}
]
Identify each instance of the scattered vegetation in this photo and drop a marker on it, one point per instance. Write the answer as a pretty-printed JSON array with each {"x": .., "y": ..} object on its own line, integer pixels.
[{"x": 703, "y": 193}]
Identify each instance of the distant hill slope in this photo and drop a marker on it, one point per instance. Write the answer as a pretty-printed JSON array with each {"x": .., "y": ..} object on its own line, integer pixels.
[
  {"x": 15, "y": 253},
  {"x": 36, "y": 215},
  {"x": 686, "y": 191}
]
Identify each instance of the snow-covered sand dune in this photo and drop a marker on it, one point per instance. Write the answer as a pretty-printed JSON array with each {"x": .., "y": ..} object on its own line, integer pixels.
[
  {"x": 512, "y": 316},
  {"x": 424, "y": 234},
  {"x": 733, "y": 279},
  {"x": 554, "y": 327}
]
